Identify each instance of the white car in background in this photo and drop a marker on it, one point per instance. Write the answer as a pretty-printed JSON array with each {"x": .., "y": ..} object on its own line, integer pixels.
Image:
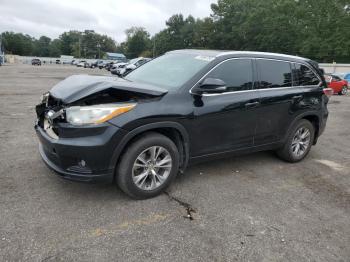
[
  {"x": 132, "y": 65},
  {"x": 115, "y": 69},
  {"x": 81, "y": 63}
]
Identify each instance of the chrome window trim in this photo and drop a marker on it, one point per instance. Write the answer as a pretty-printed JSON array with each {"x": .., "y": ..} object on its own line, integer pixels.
[
  {"x": 254, "y": 90},
  {"x": 255, "y": 53}
]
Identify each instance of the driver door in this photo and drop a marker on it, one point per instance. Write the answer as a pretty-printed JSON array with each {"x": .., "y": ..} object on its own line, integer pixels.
[{"x": 226, "y": 121}]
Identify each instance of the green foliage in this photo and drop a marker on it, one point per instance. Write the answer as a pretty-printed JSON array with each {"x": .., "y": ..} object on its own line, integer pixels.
[
  {"x": 318, "y": 29},
  {"x": 313, "y": 28},
  {"x": 137, "y": 41},
  {"x": 17, "y": 43},
  {"x": 55, "y": 48},
  {"x": 86, "y": 44},
  {"x": 41, "y": 46}
]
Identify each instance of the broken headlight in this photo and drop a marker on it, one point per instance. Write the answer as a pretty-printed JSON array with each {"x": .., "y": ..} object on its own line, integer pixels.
[{"x": 96, "y": 114}]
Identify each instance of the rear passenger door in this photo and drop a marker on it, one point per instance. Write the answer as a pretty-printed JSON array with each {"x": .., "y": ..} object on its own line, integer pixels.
[{"x": 277, "y": 97}]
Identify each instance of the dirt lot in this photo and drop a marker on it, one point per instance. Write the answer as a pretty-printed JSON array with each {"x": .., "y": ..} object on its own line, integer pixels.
[{"x": 249, "y": 208}]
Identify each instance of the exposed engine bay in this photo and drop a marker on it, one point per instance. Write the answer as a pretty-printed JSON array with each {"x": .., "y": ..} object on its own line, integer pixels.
[{"x": 82, "y": 92}]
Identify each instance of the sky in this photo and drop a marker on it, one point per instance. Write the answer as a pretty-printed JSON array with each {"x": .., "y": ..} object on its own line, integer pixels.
[{"x": 110, "y": 17}]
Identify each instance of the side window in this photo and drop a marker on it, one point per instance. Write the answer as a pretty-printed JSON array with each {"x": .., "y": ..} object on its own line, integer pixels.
[
  {"x": 305, "y": 76},
  {"x": 236, "y": 73},
  {"x": 274, "y": 74}
]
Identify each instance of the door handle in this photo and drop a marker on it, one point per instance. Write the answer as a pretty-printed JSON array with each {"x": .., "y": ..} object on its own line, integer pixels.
[{"x": 252, "y": 104}]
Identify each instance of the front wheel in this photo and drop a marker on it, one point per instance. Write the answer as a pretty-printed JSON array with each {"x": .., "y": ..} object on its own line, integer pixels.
[
  {"x": 148, "y": 166},
  {"x": 298, "y": 143},
  {"x": 343, "y": 91}
]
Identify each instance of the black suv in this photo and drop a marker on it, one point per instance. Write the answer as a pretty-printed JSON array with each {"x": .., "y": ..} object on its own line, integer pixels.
[
  {"x": 185, "y": 106},
  {"x": 36, "y": 61}
]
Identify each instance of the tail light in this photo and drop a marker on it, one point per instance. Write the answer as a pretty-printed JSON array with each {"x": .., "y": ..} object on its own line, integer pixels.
[{"x": 328, "y": 91}]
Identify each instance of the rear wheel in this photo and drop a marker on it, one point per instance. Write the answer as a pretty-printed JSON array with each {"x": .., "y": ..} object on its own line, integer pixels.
[
  {"x": 298, "y": 143},
  {"x": 343, "y": 91},
  {"x": 148, "y": 166}
]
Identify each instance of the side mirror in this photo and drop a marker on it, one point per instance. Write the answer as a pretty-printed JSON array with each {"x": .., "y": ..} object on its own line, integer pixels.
[{"x": 210, "y": 85}]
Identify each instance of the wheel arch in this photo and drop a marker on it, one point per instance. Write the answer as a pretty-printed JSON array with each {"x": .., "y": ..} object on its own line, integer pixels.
[
  {"x": 313, "y": 117},
  {"x": 173, "y": 130}
]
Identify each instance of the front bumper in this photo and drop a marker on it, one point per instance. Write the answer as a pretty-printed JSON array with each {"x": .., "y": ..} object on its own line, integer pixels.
[{"x": 87, "y": 157}]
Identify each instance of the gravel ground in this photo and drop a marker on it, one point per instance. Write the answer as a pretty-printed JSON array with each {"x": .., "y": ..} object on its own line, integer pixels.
[{"x": 249, "y": 208}]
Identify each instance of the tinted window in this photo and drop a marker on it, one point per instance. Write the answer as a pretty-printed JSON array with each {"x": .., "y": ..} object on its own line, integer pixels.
[
  {"x": 274, "y": 74},
  {"x": 305, "y": 76},
  {"x": 236, "y": 73}
]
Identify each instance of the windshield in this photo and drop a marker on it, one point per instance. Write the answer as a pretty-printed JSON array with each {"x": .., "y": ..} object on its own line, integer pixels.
[{"x": 170, "y": 71}]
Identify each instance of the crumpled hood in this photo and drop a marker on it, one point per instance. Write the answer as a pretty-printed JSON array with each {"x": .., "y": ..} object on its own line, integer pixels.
[{"x": 77, "y": 87}]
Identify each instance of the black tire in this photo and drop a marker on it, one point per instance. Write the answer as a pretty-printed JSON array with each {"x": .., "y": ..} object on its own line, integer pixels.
[
  {"x": 286, "y": 152},
  {"x": 343, "y": 91},
  {"x": 125, "y": 167}
]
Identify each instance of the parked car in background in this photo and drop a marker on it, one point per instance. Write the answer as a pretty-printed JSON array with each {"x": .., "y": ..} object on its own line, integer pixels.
[
  {"x": 81, "y": 63},
  {"x": 108, "y": 65},
  {"x": 183, "y": 107},
  {"x": 344, "y": 76},
  {"x": 101, "y": 64},
  {"x": 117, "y": 67},
  {"x": 36, "y": 61},
  {"x": 94, "y": 64},
  {"x": 58, "y": 61},
  {"x": 132, "y": 65},
  {"x": 87, "y": 65},
  {"x": 339, "y": 85}
]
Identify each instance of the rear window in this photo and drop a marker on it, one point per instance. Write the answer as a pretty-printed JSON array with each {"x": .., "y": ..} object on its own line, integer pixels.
[
  {"x": 305, "y": 76},
  {"x": 274, "y": 74}
]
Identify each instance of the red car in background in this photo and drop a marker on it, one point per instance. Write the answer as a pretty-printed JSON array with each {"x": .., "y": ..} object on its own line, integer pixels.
[{"x": 339, "y": 86}]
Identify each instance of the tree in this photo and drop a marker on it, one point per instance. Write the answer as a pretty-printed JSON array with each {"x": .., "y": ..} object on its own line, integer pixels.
[
  {"x": 55, "y": 48},
  {"x": 17, "y": 43},
  {"x": 41, "y": 46},
  {"x": 71, "y": 43},
  {"x": 317, "y": 29},
  {"x": 312, "y": 28},
  {"x": 137, "y": 41}
]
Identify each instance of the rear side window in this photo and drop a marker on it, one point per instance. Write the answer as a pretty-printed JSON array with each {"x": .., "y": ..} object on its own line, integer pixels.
[
  {"x": 274, "y": 74},
  {"x": 305, "y": 76},
  {"x": 236, "y": 73}
]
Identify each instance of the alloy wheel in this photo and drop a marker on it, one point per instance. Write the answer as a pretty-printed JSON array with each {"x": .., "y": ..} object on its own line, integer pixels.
[
  {"x": 152, "y": 168},
  {"x": 300, "y": 142},
  {"x": 344, "y": 90}
]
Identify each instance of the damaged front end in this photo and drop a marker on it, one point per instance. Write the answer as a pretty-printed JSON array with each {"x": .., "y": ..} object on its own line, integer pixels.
[
  {"x": 49, "y": 111},
  {"x": 76, "y": 138}
]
